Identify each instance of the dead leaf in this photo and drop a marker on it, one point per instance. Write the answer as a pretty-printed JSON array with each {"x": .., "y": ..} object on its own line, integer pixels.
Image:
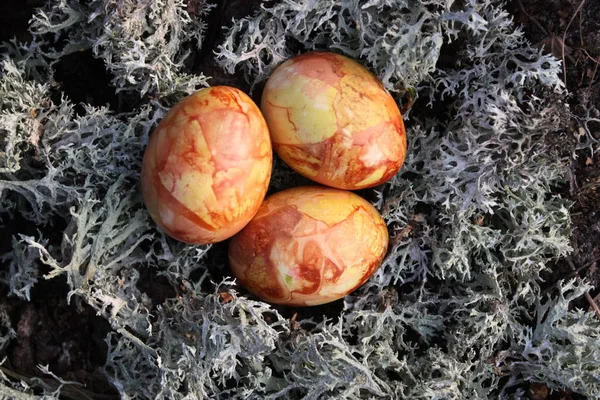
[
  {"x": 226, "y": 297},
  {"x": 294, "y": 325},
  {"x": 537, "y": 391},
  {"x": 553, "y": 44}
]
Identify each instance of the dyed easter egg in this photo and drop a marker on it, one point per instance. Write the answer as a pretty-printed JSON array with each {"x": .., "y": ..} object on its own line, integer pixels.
[
  {"x": 332, "y": 121},
  {"x": 309, "y": 245},
  {"x": 207, "y": 166}
]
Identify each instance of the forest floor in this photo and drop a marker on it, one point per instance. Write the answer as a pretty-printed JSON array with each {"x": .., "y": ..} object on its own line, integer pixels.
[{"x": 569, "y": 29}]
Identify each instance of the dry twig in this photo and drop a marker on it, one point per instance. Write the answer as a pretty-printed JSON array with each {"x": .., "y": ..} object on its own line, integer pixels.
[
  {"x": 564, "y": 37},
  {"x": 532, "y": 19},
  {"x": 588, "y": 297},
  {"x": 571, "y": 275}
]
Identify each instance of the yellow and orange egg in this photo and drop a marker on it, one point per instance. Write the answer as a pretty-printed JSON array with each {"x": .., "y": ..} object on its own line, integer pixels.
[
  {"x": 309, "y": 245},
  {"x": 207, "y": 166},
  {"x": 332, "y": 121}
]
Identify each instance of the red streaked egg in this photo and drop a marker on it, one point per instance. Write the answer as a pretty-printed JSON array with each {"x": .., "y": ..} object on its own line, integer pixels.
[
  {"x": 332, "y": 121},
  {"x": 207, "y": 166},
  {"x": 309, "y": 245}
]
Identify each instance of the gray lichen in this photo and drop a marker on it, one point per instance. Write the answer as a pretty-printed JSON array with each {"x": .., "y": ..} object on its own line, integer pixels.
[
  {"x": 144, "y": 43},
  {"x": 456, "y": 310}
]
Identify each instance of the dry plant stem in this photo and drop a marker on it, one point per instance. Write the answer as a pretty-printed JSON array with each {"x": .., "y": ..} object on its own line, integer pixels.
[
  {"x": 587, "y": 295},
  {"x": 581, "y": 32},
  {"x": 572, "y": 274},
  {"x": 596, "y": 298},
  {"x": 597, "y": 62},
  {"x": 589, "y": 264},
  {"x": 564, "y": 38},
  {"x": 532, "y": 19}
]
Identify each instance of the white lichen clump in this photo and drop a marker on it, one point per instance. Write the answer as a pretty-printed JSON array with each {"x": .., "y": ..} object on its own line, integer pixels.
[{"x": 455, "y": 312}]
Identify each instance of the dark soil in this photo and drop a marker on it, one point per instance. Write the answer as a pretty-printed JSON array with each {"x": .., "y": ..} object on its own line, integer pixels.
[
  {"x": 69, "y": 338},
  {"x": 570, "y": 30},
  {"x": 556, "y": 27}
]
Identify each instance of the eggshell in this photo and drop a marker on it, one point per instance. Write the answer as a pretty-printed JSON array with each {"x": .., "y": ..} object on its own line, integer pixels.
[
  {"x": 207, "y": 166},
  {"x": 332, "y": 121},
  {"x": 309, "y": 245}
]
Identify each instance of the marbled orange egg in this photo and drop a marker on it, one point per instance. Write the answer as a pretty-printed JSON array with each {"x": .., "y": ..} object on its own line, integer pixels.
[
  {"x": 309, "y": 245},
  {"x": 332, "y": 121},
  {"x": 207, "y": 166}
]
